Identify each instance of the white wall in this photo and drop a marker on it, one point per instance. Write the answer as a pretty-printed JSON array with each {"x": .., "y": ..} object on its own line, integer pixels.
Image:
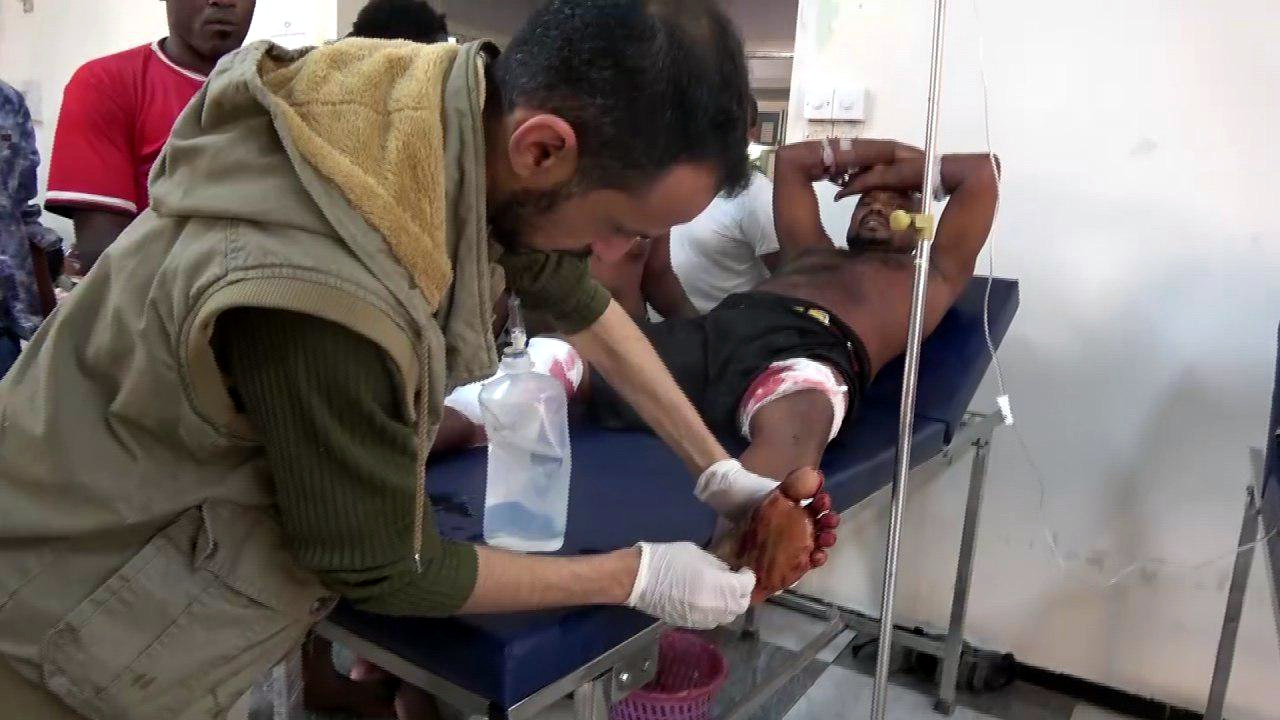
[
  {"x": 294, "y": 23},
  {"x": 764, "y": 24},
  {"x": 1136, "y": 212},
  {"x": 39, "y": 51}
]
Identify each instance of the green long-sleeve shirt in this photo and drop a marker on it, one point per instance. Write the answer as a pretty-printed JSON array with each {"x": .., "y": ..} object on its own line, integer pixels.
[
  {"x": 343, "y": 459},
  {"x": 326, "y": 403}
]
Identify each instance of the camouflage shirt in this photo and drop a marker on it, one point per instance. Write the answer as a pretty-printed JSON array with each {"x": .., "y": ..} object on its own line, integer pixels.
[{"x": 20, "y": 227}]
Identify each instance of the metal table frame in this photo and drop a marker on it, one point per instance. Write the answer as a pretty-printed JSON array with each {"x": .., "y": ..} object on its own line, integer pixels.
[
  {"x": 1249, "y": 531},
  {"x": 594, "y": 686},
  {"x": 628, "y": 666},
  {"x": 975, "y": 434}
]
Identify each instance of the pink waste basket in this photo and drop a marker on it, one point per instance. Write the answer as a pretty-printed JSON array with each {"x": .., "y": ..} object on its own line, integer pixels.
[{"x": 691, "y": 671}]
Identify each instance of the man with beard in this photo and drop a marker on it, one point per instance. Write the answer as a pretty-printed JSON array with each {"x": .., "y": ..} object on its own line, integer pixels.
[{"x": 224, "y": 429}]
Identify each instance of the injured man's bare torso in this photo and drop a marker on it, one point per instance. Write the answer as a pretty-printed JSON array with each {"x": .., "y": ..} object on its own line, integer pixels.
[
  {"x": 869, "y": 290},
  {"x": 785, "y": 364}
]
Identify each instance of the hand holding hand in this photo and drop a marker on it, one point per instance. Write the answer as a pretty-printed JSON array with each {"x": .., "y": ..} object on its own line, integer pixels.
[{"x": 683, "y": 585}]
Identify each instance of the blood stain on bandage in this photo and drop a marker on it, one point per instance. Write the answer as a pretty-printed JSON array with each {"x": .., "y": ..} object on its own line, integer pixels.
[
  {"x": 560, "y": 360},
  {"x": 564, "y": 370},
  {"x": 786, "y": 377}
]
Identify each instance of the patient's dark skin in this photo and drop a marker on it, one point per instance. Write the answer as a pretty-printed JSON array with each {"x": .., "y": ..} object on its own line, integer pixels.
[
  {"x": 871, "y": 229},
  {"x": 868, "y": 286}
]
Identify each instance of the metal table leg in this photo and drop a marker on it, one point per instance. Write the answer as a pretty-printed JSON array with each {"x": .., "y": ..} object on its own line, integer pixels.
[
  {"x": 1235, "y": 609},
  {"x": 1269, "y": 519},
  {"x": 591, "y": 701},
  {"x": 1271, "y": 550},
  {"x": 964, "y": 575},
  {"x": 762, "y": 692}
]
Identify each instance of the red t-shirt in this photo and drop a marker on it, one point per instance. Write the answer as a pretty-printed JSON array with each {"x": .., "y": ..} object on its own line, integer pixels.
[{"x": 117, "y": 113}]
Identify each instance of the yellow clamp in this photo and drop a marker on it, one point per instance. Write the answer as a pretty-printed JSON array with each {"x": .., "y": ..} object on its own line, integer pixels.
[{"x": 901, "y": 220}]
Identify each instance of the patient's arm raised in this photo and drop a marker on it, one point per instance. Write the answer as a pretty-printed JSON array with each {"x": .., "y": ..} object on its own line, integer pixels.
[{"x": 800, "y": 165}]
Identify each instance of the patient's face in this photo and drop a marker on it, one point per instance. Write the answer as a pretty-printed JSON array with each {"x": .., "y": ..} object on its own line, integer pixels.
[{"x": 870, "y": 227}]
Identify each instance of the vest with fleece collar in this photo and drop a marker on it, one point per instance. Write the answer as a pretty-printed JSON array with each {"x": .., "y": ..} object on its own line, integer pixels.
[{"x": 143, "y": 572}]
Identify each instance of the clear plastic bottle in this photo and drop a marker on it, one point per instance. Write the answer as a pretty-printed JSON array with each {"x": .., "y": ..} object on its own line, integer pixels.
[{"x": 526, "y": 416}]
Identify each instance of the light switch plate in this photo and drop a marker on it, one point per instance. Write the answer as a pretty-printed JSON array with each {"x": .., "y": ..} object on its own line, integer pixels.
[
  {"x": 818, "y": 101},
  {"x": 849, "y": 102}
]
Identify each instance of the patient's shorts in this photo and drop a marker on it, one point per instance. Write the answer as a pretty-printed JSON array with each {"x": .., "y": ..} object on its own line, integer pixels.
[{"x": 716, "y": 357}]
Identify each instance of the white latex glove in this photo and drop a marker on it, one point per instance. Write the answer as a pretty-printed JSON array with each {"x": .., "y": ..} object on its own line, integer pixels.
[
  {"x": 732, "y": 490},
  {"x": 683, "y": 585}
]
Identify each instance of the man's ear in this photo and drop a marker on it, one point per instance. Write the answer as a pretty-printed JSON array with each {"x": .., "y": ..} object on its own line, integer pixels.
[{"x": 543, "y": 150}]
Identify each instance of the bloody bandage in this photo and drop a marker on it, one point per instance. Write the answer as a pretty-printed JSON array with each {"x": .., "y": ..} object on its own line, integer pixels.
[
  {"x": 787, "y": 377},
  {"x": 558, "y": 359},
  {"x": 549, "y": 356}
]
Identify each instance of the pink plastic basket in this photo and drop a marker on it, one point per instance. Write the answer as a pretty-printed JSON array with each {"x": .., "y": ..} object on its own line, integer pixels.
[{"x": 690, "y": 673}]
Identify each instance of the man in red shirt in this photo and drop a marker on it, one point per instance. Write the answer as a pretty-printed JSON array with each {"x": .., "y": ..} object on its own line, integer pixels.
[{"x": 118, "y": 111}]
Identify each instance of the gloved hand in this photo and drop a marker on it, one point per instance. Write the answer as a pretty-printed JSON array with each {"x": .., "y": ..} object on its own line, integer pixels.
[
  {"x": 682, "y": 585},
  {"x": 734, "y": 491}
]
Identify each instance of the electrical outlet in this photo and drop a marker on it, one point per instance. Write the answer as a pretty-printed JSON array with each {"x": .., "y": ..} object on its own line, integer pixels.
[
  {"x": 818, "y": 102},
  {"x": 849, "y": 102}
]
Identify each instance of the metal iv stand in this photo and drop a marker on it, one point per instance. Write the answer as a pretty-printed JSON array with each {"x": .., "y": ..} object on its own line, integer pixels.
[{"x": 924, "y": 225}]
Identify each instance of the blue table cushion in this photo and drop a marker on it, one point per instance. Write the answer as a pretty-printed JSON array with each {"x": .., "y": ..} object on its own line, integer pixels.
[{"x": 628, "y": 486}]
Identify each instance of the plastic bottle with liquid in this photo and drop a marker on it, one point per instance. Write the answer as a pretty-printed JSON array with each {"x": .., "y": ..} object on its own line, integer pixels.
[{"x": 526, "y": 416}]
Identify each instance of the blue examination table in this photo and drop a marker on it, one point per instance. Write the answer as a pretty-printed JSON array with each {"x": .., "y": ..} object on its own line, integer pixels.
[{"x": 626, "y": 487}]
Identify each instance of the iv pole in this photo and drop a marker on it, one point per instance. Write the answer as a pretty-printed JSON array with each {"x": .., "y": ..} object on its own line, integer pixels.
[{"x": 924, "y": 224}]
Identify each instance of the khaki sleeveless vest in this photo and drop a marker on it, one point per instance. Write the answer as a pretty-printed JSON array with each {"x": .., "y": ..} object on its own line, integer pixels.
[{"x": 143, "y": 572}]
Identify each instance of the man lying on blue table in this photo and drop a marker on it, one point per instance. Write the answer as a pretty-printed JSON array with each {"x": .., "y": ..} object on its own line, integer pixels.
[{"x": 786, "y": 364}]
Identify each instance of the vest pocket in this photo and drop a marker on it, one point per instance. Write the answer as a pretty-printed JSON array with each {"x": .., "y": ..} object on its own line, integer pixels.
[{"x": 188, "y": 624}]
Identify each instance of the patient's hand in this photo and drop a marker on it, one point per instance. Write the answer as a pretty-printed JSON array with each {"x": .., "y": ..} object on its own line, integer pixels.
[{"x": 783, "y": 539}]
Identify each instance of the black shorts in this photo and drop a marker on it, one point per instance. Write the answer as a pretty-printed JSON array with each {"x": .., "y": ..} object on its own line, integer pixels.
[{"x": 715, "y": 357}]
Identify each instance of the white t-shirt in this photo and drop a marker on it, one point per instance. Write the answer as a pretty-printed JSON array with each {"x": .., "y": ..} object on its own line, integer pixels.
[{"x": 718, "y": 253}]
